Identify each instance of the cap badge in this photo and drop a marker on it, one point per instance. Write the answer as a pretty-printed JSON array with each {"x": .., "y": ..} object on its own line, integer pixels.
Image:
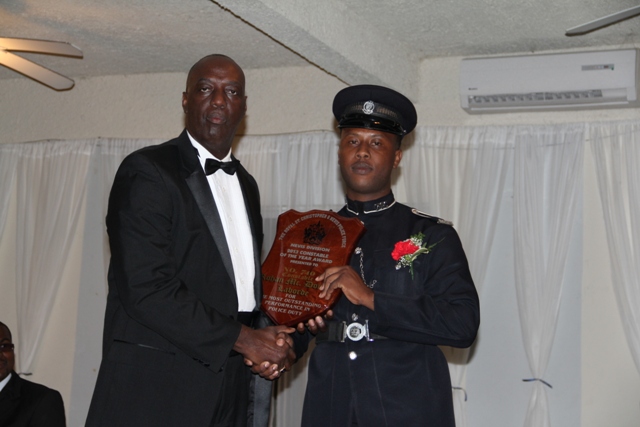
[{"x": 368, "y": 107}]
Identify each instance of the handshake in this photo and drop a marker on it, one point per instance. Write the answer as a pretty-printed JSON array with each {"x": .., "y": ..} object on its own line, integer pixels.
[{"x": 270, "y": 351}]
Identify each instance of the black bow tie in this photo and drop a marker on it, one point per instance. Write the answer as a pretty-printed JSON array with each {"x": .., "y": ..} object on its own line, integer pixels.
[{"x": 212, "y": 165}]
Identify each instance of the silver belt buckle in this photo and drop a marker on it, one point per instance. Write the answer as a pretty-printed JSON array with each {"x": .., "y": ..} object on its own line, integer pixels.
[{"x": 355, "y": 331}]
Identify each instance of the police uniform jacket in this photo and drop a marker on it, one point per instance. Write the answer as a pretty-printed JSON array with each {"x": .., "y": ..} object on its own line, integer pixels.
[{"x": 401, "y": 379}]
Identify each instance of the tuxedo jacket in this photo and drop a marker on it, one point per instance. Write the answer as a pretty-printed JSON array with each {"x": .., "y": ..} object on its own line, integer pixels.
[
  {"x": 27, "y": 404},
  {"x": 171, "y": 308}
]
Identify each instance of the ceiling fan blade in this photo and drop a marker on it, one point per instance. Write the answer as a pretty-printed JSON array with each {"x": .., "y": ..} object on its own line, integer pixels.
[
  {"x": 35, "y": 71},
  {"x": 41, "y": 46},
  {"x": 603, "y": 22}
]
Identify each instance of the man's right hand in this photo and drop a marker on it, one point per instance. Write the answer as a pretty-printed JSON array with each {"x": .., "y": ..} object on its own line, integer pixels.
[{"x": 268, "y": 350}]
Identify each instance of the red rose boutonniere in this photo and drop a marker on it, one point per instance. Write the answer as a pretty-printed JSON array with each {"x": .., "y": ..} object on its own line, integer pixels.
[{"x": 406, "y": 251}]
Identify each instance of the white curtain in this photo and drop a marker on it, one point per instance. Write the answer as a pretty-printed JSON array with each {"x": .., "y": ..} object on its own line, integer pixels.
[
  {"x": 547, "y": 182},
  {"x": 8, "y": 160},
  {"x": 454, "y": 173},
  {"x": 293, "y": 171},
  {"x": 616, "y": 151},
  {"x": 50, "y": 189},
  {"x": 458, "y": 173}
]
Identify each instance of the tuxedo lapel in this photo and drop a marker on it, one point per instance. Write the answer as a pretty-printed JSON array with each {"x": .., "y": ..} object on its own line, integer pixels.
[{"x": 199, "y": 186}]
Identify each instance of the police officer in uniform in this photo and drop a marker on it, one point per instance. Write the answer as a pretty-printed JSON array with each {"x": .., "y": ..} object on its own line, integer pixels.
[{"x": 407, "y": 289}]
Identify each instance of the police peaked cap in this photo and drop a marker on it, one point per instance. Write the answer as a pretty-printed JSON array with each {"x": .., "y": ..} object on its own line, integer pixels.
[{"x": 374, "y": 107}]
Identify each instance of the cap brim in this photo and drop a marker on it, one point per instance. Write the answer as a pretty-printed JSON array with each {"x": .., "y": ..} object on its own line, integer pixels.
[{"x": 369, "y": 122}]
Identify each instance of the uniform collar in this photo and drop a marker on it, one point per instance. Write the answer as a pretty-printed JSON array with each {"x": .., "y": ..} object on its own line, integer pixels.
[{"x": 371, "y": 206}]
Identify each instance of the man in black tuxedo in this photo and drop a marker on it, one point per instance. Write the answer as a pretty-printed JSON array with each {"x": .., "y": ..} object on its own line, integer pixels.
[
  {"x": 23, "y": 403},
  {"x": 184, "y": 278}
]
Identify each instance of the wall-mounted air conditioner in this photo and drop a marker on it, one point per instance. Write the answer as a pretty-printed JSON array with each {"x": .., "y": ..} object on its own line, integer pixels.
[{"x": 550, "y": 81}]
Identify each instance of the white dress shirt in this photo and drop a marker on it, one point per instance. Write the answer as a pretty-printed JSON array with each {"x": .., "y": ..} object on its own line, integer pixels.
[
  {"x": 5, "y": 381},
  {"x": 235, "y": 222}
]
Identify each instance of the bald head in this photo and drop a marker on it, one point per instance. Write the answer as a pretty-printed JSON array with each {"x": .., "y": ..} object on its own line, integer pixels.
[
  {"x": 215, "y": 57},
  {"x": 6, "y": 330}
]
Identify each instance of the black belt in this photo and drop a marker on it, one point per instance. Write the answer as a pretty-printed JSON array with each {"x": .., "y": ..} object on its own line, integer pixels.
[
  {"x": 340, "y": 332},
  {"x": 247, "y": 318}
]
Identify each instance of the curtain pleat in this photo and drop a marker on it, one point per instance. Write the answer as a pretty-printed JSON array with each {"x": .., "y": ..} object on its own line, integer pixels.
[
  {"x": 50, "y": 190},
  {"x": 459, "y": 174},
  {"x": 547, "y": 184},
  {"x": 616, "y": 151},
  {"x": 8, "y": 160}
]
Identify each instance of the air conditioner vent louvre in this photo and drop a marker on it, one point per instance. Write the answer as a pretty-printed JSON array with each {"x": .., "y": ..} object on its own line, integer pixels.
[{"x": 550, "y": 81}]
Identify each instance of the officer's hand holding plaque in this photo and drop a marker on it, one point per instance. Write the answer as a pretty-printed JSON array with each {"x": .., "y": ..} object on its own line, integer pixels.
[{"x": 306, "y": 244}]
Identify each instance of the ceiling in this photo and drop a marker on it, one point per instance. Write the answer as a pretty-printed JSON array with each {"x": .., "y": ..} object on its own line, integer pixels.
[{"x": 372, "y": 41}]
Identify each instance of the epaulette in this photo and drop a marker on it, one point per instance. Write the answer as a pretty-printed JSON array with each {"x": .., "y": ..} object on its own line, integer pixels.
[{"x": 432, "y": 218}]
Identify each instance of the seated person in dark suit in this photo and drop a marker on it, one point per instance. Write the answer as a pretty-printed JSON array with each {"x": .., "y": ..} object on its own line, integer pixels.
[{"x": 23, "y": 403}]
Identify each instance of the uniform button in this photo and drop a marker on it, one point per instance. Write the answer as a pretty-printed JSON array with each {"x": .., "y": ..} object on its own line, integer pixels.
[
  {"x": 354, "y": 317},
  {"x": 353, "y": 355}
]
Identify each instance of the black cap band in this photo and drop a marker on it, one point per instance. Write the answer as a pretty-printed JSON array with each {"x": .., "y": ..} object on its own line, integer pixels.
[
  {"x": 374, "y": 107},
  {"x": 370, "y": 122}
]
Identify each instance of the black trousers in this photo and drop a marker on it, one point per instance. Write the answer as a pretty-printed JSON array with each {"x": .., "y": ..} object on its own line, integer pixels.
[{"x": 232, "y": 407}]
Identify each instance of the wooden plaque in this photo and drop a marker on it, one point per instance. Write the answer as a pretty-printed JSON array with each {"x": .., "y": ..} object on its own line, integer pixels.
[{"x": 306, "y": 244}]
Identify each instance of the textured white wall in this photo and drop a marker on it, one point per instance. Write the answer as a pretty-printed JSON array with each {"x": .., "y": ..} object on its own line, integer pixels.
[
  {"x": 120, "y": 106},
  {"x": 287, "y": 100},
  {"x": 280, "y": 100},
  {"x": 293, "y": 100}
]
